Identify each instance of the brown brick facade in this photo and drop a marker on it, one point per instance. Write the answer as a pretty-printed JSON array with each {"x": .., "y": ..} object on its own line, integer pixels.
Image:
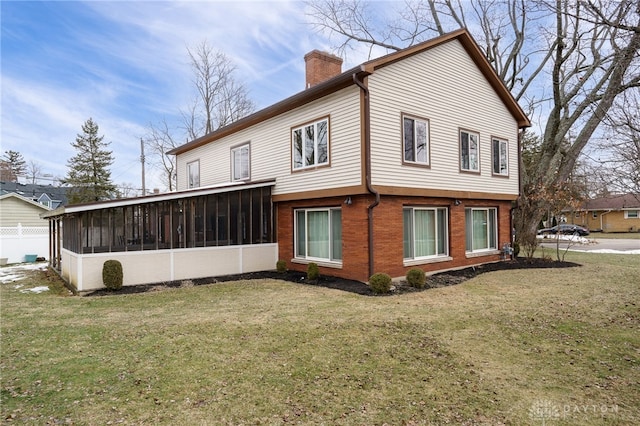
[{"x": 388, "y": 234}]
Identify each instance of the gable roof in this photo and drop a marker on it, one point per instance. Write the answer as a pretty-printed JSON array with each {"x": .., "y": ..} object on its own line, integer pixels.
[
  {"x": 346, "y": 79},
  {"x": 614, "y": 202},
  {"x": 56, "y": 194},
  {"x": 24, "y": 200}
]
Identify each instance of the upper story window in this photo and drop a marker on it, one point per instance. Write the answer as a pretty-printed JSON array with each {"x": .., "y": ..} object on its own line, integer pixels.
[
  {"x": 310, "y": 144},
  {"x": 240, "y": 161},
  {"x": 193, "y": 174},
  {"x": 469, "y": 151},
  {"x": 500, "y": 157},
  {"x": 415, "y": 140}
]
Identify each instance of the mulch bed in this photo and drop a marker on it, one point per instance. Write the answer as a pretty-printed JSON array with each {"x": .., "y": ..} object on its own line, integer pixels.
[{"x": 441, "y": 279}]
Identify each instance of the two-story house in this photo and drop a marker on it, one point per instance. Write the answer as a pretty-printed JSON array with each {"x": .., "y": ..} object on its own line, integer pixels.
[{"x": 409, "y": 160}]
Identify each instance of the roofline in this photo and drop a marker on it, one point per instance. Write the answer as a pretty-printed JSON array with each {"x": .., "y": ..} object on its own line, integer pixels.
[
  {"x": 25, "y": 199},
  {"x": 474, "y": 51},
  {"x": 345, "y": 79},
  {"x": 315, "y": 92},
  {"x": 167, "y": 196}
]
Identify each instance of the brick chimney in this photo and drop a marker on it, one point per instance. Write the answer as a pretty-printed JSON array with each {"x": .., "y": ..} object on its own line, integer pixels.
[{"x": 321, "y": 66}]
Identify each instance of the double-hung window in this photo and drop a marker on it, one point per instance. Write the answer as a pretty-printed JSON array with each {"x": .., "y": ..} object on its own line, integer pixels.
[
  {"x": 415, "y": 140},
  {"x": 500, "y": 157},
  {"x": 481, "y": 229},
  {"x": 240, "y": 162},
  {"x": 425, "y": 232},
  {"x": 469, "y": 151},
  {"x": 318, "y": 234},
  {"x": 193, "y": 174},
  {"x": 631, "y": 214},
  {"x": 310, "y": 144}
]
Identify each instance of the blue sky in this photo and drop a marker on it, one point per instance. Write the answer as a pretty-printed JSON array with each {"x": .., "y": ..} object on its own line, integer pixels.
[{"x": 125, "y": 65}]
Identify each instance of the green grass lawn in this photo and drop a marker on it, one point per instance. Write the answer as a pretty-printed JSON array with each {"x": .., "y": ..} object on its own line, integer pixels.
[
  {"x": 615, "y": 236},
  {"x": 511, "y": 347}
]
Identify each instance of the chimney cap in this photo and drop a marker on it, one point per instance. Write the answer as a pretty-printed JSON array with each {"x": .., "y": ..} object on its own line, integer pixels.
[{"x": 320, "y": 54}]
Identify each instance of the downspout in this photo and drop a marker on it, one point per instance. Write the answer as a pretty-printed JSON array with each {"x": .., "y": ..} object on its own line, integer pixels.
[
  {"x": 367, "y": 163},
  {"x": 601, "y": 221}
]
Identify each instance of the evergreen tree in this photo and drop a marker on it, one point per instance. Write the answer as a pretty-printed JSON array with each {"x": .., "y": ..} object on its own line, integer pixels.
[
  {"x": 89, "y": 175},
  {"x": 13, "y": 165}
]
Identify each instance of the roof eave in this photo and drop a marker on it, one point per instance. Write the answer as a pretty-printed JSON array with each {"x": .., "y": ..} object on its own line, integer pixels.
[{"x": 318, "y": 91}]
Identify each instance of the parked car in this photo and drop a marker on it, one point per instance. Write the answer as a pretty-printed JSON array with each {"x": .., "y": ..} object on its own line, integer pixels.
[{"x": 566, "y": 229}]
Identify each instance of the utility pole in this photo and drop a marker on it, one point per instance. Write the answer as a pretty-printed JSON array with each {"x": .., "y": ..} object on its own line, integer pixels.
[{"x": 144, "y": 189}]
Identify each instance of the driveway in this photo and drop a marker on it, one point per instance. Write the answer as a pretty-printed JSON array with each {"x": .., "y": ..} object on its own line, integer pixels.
[{"x": 597, "y": 245}]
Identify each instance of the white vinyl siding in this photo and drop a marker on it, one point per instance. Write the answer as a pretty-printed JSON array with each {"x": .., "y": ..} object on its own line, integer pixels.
[
  {"x": 437, "y": 84},
  {"x": 17, "y": 211},
  {"x": 271, "y": 149}
]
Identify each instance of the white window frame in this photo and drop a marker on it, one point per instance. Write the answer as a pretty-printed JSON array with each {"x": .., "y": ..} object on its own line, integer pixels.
[
  {"x": 193, "y": 174},
  {"x": 502, "y": 161},
  {"x": 437, "y": 242},
  {"x": 302, "y": 158},
  {"x": 332, "y": 258},
  {"x": 476, "y": 155},
  {"x": 415, "y": 143},
  {"x": 492, "y": 235},
  {"x": 238, "y": 172},
  {"x": 635, "y": 214}
]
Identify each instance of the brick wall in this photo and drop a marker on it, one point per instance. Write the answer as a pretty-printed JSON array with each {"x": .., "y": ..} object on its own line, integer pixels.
[{"x": 388, "y": 234}]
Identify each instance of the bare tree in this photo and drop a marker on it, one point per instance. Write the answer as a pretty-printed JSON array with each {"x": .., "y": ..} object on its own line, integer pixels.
[
  {"x": 586, "y": 52},
  {"x": 33, "y": 171},
  {"x": 221, "y": 98},
  {"x": 620, "y": 164},
  {"x": 159, "y": 141}
]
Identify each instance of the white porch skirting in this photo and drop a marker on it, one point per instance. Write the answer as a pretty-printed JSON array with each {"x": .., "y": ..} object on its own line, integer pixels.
[{"x": 84, "y": 271}]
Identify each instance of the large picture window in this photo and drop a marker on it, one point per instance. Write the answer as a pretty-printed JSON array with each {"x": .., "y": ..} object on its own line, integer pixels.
[
  {"x": 310, "y": 144},
  {"x": 240, "y": 162},
  {"x": 481, "y": 229},
  {"x": 425, "y": 232},
  {"x": 469, "y": 151},
  {"x": 500, "y": 157},
  {"x": 318, "y": 234},
  {"x": 193, "y": 174},
  {"x": 415, "y": 140}
]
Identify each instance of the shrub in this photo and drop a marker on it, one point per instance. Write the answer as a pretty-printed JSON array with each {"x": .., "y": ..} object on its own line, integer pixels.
[
  {"x": 281, "y": 266},
  {"x": 416, "y": 278},
  {"x": 112, "y": 275},
  {"x": 313, "y": 272},
  {"x": 380, "y": 283},
  {"x": 516, "y": 249}
]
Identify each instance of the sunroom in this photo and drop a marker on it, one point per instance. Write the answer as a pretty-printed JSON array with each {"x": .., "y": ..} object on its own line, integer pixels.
[{"x": 203, "y": 232}]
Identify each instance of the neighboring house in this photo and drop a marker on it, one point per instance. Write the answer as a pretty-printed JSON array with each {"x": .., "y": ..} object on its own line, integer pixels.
[
  {"x": 48, "y": 195},
  {"x": 22, "y": 230},
  {"x": 409, "y": 160},
  {"x": 615, "y": 213}
]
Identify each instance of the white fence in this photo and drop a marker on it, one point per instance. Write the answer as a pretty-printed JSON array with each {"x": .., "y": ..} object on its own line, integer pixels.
[{"x": 16, "y": 242}]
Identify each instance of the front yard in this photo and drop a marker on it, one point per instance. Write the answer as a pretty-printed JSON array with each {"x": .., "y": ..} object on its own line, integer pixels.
[{"x": 554, "y": 346}]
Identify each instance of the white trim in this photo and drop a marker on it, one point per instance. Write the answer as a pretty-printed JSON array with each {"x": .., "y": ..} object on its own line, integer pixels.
[{"x": 213, "y": 189}]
